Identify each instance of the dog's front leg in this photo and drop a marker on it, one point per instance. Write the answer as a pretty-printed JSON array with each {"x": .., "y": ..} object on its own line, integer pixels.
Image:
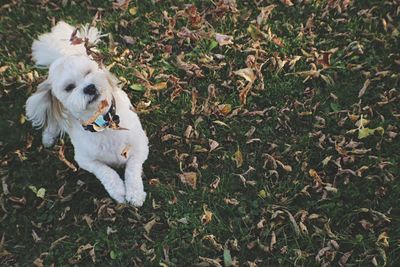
[
  {"x": 107, "y": 176},
  {"x": 50, "y": 134},
  {"x": 135, "y": 194}
]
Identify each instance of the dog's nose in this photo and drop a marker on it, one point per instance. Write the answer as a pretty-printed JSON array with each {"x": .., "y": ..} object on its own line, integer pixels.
[{"x": 90, "y": 89}]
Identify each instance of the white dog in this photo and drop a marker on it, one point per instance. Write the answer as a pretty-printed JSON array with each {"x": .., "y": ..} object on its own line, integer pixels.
[{"x": 82, "y": 99}]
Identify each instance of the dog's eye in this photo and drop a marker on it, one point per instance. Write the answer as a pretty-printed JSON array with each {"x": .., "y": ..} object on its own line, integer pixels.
[
  {"x": 88, "y": 72},
  {"x": 70, "y": 87}
]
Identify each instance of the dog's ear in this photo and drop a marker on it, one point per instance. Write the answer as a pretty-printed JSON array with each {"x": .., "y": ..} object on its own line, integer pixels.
[
  {"x": 38, "y": 106},
  {"x": 45, "y": 110}
]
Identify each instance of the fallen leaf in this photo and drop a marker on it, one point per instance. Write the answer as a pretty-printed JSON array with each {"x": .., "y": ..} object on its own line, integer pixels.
[
  {"x": 364, "y": 88},
  {"x": 238, "y": 158},
  {"x": 246, "y": 73},
  {"x": 101, "y": 109},
  {"x": 221, "y": 123},
  {"x": 273, "y": 241},
  {"x": 154, "y": 182},
  {"x": 294, "y": 224},
  {"x": 158, "y": 86},
  {"x": 62, "y": 157},
  {"x": 278, "y": 41},
  {"x": 56, "y": 242},
  {"x": 227, "y": 258},
  {"x": 35, "y": 236},
  {"x": 213, "y": 241},
  {"x": 189, "y": 178},
  {"x": 38, "y": 262},
  {"x": 148, "y": 226},
  {"x": 231, "y": 201},
  {"x": 225, "y": 109},
  {"x": 213, "y": 144},
  {"x": 38, "y": 192},
  {"x": 210, "y": 262},
  {"x": 383, "y": 239},
  {"x": 286, "y": 168},
  {"x": 195, "y": 94},
  {"x": 121, "y": 4},
  {"x": 223, "y": 39},
  {"x": 3, "y": 68},
  {"x": 133, "y": 11},
  {"x": 207, "y": 216},
  {"x": 316, "y": 177},
  {"x": 365, "y": 132},
  {"x": 214, "y": 185},
  {"x": 287, "y": 2},
  {"x": 18, "y": 200},
  {"x": 264, "y": 14},
  {"x": 325, "y": 59},
  {"x": 343, "y": 260}
]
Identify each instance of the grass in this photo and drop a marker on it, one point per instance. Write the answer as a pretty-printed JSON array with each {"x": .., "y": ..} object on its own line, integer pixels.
[{"x": 295, "y": 186}]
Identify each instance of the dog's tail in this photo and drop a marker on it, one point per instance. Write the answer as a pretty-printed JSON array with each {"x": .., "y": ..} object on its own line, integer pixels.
[{"x": 61, "y": 41}]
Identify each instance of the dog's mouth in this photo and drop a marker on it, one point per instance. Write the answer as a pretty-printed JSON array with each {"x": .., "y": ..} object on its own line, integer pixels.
[{"x": 94, "y": 98}]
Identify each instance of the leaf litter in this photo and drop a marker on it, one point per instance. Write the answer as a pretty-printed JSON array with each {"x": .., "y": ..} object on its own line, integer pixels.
[{"x": 289, "y": 91}]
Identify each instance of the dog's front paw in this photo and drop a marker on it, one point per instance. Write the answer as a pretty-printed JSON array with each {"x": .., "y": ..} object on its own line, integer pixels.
[
  {"x": 48, "y": 140},
  {"x": 118, "y": 193},
  {"x": 136, "y": 198}
]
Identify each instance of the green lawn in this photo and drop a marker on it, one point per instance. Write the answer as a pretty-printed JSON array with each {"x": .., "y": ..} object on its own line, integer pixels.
[{"x": 290, "y": 123}]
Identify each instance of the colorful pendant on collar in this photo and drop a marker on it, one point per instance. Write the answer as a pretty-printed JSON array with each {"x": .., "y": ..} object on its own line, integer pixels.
[{"x": 108, "y": 120}]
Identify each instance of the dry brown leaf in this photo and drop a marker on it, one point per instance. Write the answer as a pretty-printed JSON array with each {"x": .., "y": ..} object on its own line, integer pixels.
[
  {"x": 364, "y": 88},
  {"x": 190, "y": 68},
  {"x": 294, "y": 224},
  {"x": 213, "y": 144},
  {"x": 3, "y": 68},
  {"x": 278, "y": 41},
  {"x": 154, "y": 182},
  {"x": 231, "y": 201},
  {"x": 383, "y": 239},
  {"x": 35, "y": 236},
  {"x": 287, "y": 2},
  {"x": 286, "y": 168},
  {"x": 273, "y": 241},
  {"x": 224, "y": 109},
  {"x": 343, "y": 260},
  {"x": 316, "y": 177},
  {"x": 38, "y": 262},
  {"x": 189, "y": 178},
  {"x": 88, "y": 220},
  {"x": 246, "y": 73},
  {"x": 207, "y": 215},
  {"x": 55, "y": 243},
  {"x": 83, "y": 248},
  {"x": 264, "y": 14},
  {"x": 18, "y": 200},
  {"x": 195, "y": 94},
  {"x": 223, "y": 39},
  {"x": 121, "y": 4},
  {"x": 62, "y": 157},
  {"x": 212, "y": 239},
  {"x": 158, "y": 86},
  {"x": 214, "y": 185},
  {"x": 238, "y": 158},
  {"x": 210, "y": 262},
  {"x": 102, "y": 108},
  {"x": 244, "y": 92},
  {"x": 148, "y": 226}
]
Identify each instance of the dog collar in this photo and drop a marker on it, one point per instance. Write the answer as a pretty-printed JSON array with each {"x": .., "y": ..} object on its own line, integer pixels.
[{"x": 108, "y": 120}]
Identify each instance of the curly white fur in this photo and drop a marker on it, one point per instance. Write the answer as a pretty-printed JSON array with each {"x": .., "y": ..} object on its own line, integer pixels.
[{"x": 62, "y": 111}]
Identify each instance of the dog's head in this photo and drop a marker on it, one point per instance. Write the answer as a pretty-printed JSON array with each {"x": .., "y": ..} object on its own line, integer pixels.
[{"x": 75, "y": 87}]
